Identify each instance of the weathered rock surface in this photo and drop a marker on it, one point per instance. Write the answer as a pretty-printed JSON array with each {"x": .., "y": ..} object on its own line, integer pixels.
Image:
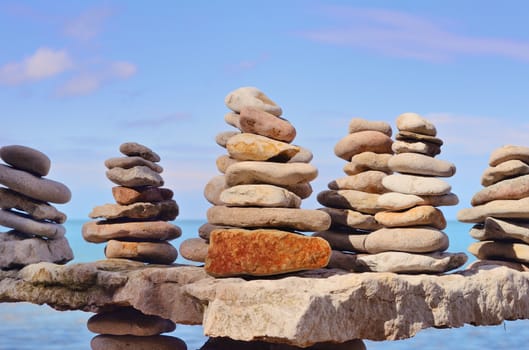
[
  {"x": 421, "y": 215},
  {"x": 257, "y": 121},
  {"x": 502, "y": 230},
  {"x": 362, "y": 141},
  {"x": 413, "y": 122},
  {"x": 222, "y": 138},
  {"x": 516, "y": 188},
  {"x": 408, "y": 136},
  {"x": 102, "y": 231},
  {"x": 366, "y": 181},
  {"x": 427, "y": 148},
  {"x": 352, "y": 219},
  {"x": 361, "y": 124},
  {"x": 38, "y": 210},
  {"x": 500, "y": 250},
  {"x": 134, "y": 177},
  {"x": 421, "y": 186},
  {"x": 509, "y": 152},
  {"x": 249, "y": 96},
  {"x": 26, "y": 158},
  {"x": 505, "y": 209},
  {"x": 127, "y": 195},
  {"x": 149, "y": 252},
  {"x": 133, "y": 149},
  {"x": 214, "y": 188},
  {"x": 503, "y": 171},
  {"x": 259, "y": 196},
  {"x": 194, "y": 249},
  {"x": 25, "y": 224},
  {"x": 368, "y": 161},
  {"x": 281, "y": 174},
  {"x": 131, "y": 162},
  {"x": 164, "y": 210},
  {"x": 254, "y": 147},
  {"x": 131, "y": 342},
  {"x": 400, "y": 201},
  {"x": 420, "y": 164},
  {"x": 350, "y": 199}
]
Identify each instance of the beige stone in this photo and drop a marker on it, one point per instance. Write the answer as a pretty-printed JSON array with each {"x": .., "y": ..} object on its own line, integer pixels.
[
  {"x": 368, "y": 161},
  {"x": 26, "y": 159},
  {"x": 194, "y": 249},
  {"x": 501, "y": 230},
  {"x": 251, "y": 97},
  {"x": 164, "y": 210},
  {"x": 26, "y": 224},
  {"x": 500, "y": 250},
  {"x": 132, "y": 149},
  {"x": 401, "y": 201},
  {"x": 352, "y": 219},
  {"x": 279, "y": 174},
  {"x": 415, "y": 123},
  {"x": 420, "y": 164},
  {"x": 509, "y": 152},
  {"x": 409, "y": 136},
  {"x": 303, "y": 156},
  {"x": 131, "y": 342},
  {"x": 516, "y": 188},
  {"x": 360, "y": 124},
  {"x": 410, "y": 240},
  {"x": 492, "y": 264},
  {"x": 222, "y": 138},
  {"x": 214, "y": 188},
  {"x": 339, "y": 240},
  {"x": 362, "y": 141},
  {"x": 247, "y": 146},
  {"x": 102, "y": 231},
  {"x": 233, "y": 119},
  {"x": 350, "y": 199},
  {"x": 367, "y": 181},
  {"x": 224, "y": 161},
  {"x": 426, "y": 148},
  {"x": 259, "y": 196},
  {"x": 36, "y": 209},
  {"x": 130, "y": 162},
  {"x": 422, "y": 215},
  {"x": 503, "y": 171},
  {"x": 503, "y": 209},
  {"x": 135, "y": 177},
  {"x": 257, "y": 121},
  {"x": 418, "y": 185},
  {"x": 148, "y": 252}
]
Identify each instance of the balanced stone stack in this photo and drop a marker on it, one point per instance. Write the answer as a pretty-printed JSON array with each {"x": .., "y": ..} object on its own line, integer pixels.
[
  {"x": 500, "y": 210},
  {"x": 37, "y": 233},
  {"x": 255, "y": 225},
  {"x": 136, "y": 227}
]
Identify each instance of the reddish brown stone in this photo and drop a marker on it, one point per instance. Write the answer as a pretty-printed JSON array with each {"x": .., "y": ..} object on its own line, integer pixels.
[
  {"x": 127, "y": 195},
  {"x": 102, "y": 231},
  {"x": 257, "y": 121},
  {"x": 148, "y": 252}
]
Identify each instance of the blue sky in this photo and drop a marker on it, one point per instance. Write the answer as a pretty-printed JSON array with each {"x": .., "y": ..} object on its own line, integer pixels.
[{"x": 79, "y": 78}]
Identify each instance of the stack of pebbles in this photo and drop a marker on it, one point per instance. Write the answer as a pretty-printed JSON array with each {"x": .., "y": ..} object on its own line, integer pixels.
[
  {"x": 136, "y": 226},
  {"x": 500, "y": 210},
  {"x": 37, "y": 233},
  {"x": 254, "y": 226}
]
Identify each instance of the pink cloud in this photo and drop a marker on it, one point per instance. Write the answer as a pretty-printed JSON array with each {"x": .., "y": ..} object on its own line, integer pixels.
[{"x": 88, "y": 24}]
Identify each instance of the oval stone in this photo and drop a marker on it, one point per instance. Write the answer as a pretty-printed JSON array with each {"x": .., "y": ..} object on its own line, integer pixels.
[
  {"x": 222, "y": 138},
  {"x": 148, "y": 252},
  {"x": 102, "y": 231},
  {"x": 132, "y": 342},
  {"x": 247, "y": 146},
  {"x": 26, "y": 159},
  {"x": 127, "y": 195},
  {"x": 350, "y": 199},
  {"x": 251, "y": 97},
  {"x": 509, "y": 152},
  {"x": 281, "y": 174},
  {"x": 130, "y": 162},
  {"x": 500, "y": 250},
  {"x": 36, "y": 209},
  {"x": 506, "y": 208},
  {"x": 25, "y": 224},
  {"x": 410, "y": 184},
  {"x": 135, "y": 149},
  {"x": 194, "y": 249},
  {"x": 163, "y": 211},
  {"x": 214, "y": 188},
  {"x": 368, "y": 161},
  {"x": 503, "y": 171},
  {"x": 303, "y": 156},
  {"x": 232, "y": 119},
  {"x": 420, "y": 164},
  {"x": 339, "y": 240},
  {"x": 360, "y": 124},
  {"x": 409, "y": 136},
  {"x": 423, "y": 215},
  {"x": 413, "y": 122},
  {"x": 135, "y": 177},
  {"x": 352, "y": 219},
  {"x": 427, "y": 148},
  {"x": 411, "y": 240},
  {"x": 515, "y": 188},
  {"x": 400, "y": 201},
  {"x": 259, "y": 196},
  {"x": 363, "y": 141},
  {"x": 367, "y": 181},
  {"x": 224, "y": 161},
  {"x": 257, "y": 121}
]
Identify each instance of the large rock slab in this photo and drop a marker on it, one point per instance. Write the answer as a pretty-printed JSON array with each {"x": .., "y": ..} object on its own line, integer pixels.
[
  {"x": 363, "y": 141},
  {"x": 102, "y": 231},
  {"x": 36, "y": 209},
  {"x": 251, "y": 97},
  {"x": 516, "y": 188},
  {"x": 514, "y": 209},
  {"x": 271, "y": 173},
  {"x": 257, "y": 121},
  {"x": 248, "y": 146},
  {"x": 418, "y": 185},
  {"x": 503, "y": 171},
  {"x": 26, "y": 159},
  {"x": 420, "y": 164}
]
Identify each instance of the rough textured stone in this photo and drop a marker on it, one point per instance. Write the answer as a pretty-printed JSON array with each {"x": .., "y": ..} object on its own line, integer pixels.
[
  {"x": 509, "y": 152},
  {"x": 419, "y": 164},
  {"x": 165, "y": 211},
  {"x": 400, "y": 201},
  {"x": 214, "y": 188},
  {"x": 516, "y": 188},
  {"x": 26, "y": 159},
  {"x": 25, "y": 224},
  {"x": 409, "y": 136},
  {"x": 102, "y": 231},
  {"x": 35, "y": 187},
  {"x": 36, "y": 209},
  {"x": 222, "y": 138},
  {"x": 296, "y": 219},
  {"x": 339, "y": 240},
  {"x": 131, "y": 342},
  {"x": 367, "y": 181},
  {"x": 127, "y": 195},
  {"x": 350, "y": 199},
  {"x": 363, "y": 141},
  {"x": 194, "y": 249},
  {"x": 368, "y": 161},
  {"x": 130, "y": 162},
  {"x": 418, "y": 185},
  {"x": 500, "y": 250},
  {"x": 224, "y": 161},
  {"x": 257, "y": 121},
  {"x": 129, "y": 321},
  {"x": 149, "y": 252},
  {"x": 413, "y": 122},
  {"x": 259, "y": 196},
  {"x": 247, "y": 146},
  {"x": 251, "y": 97},
  {"x": 17, "y": 250},
  {"x": 503, "y": 171},
  {"x": 270, "y": 173},
  {"x": 270, "y": 252},
  {"x": 410, "y": 240},
  {"x": 233, "y": 119},
  {"x": 352, "y": 219},
  {"x": 514, "y": 209},
  {"x": 303, "y": 156},
  {"x": 502, "y": 230},
  {"x": 426, "y": 148},
  {"x": 422, "y": 215},
  {"x": 491, "y": 264},
  {"x": 135, "y": 177},
  {"x": 133, "y": 149},
  {"x": 360, "y": 124}
]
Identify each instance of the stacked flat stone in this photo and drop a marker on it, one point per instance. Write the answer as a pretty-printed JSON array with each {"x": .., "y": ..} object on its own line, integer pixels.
[
  {"x": 37, "y": 233},
  {"x": 136, "y": 227},
  {"x": 255, "y": 224},
  {"x": 500, "y": 210},
  {"x": 128, "y": 328}
]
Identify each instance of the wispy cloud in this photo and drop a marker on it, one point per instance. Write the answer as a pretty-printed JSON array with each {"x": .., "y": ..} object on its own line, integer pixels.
[
  {"x": 158, "y": 121},
  {"x": 88, "y": 24},
  {"x": 401, "y": 34},
  {"x": 44, "y": 63}
]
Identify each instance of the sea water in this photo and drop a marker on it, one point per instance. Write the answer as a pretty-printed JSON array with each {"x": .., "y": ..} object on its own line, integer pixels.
[{"x": 27, "y": 326}]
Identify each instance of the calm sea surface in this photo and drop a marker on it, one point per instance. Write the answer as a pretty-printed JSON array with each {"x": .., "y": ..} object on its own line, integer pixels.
[{"x": 27, "y": 326}]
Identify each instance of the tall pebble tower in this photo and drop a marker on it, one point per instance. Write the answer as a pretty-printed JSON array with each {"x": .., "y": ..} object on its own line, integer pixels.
[
  {"x": 500, "y": 210},
  {"x": 37, "y": 233},
  {"x": 255, "y": 224}
]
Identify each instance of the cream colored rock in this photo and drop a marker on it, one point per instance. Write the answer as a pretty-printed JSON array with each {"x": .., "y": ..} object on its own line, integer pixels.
[
  {"x": 503, "y": 209},
  {"x": 413, "y": 122},
  {"x": 503, "y": 171},
  {"x": 363, "y": 141},
  {"x": 194, "y": 249},
  {"x": 501, "y": 230},
  {"x": 422, "y": 215},
  {"x": 367, "y": 181},
  {"x": 410, "y": 240},
  {"x": 303, "y": 156},
  {"x": 420, "y": 164},
  {"x": 259, "y": 196},
  {"x": 339, "y": 240},
  {"x": 399, "y": 201},
  {"x": 222, "y": 138},
  {"x": 360, "y": 124},
  {"x": 418, "y": 185},
  {"x": 257, "y": 121},
  {"x": 251, "y": 97},
  {"x": 233, "y": 119},
  {"x": 509, "y": 152},
  {"x": 516, "y": 188},
  {"x": 280, "y": 174},
  {"x": 247, "y": 146},
  {"x": 214, "y": 188},
  {"x": 426, "y": 148},
  {"x": 224, "y": 161},
  {"x": 500, "y": 250},
  {"x": 368, "y": 161},
  {"x": 350, "y": 199},
  {"x": 352, "y": 219}
]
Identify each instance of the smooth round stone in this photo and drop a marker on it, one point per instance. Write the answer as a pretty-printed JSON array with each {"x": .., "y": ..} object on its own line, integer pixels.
[
  {"x": 148, "y": 252},
  {"x": 26, "y": 224},
  {"x": 423, "y": 215},
  {"x": 400, "y": 201},
  {"x": 259, "y": 196},
  {"x": 426, "y": 148},
  {"x": 247, "y": 146},
  {"x": 504, "y": 171},
  {"x": 420, "y": 164},
  {"x": 131, "y": 342},
  {"x": 415, "y": 137},
  {"x": 368, "y": 161},
  {"x": 214, "y": 188},
  {"x": 233, "y": 119},
  {"x": 296, "y": 219},
  {"x": 413, "y": 122},
  {"x": 360, "y": 124},
  {"x": 132, "y": 149},
  {"x": 515, "y": 188},
  {"x": 491, "y": 264},
  {"x": 204, "y": 231},
  {"x": 129, "y": 321},
  {"x": 352, "y": 219},
  {"x": 363, "y": 141},
  {"x": 350, "y": 199},
  {"x": 224, "y": 161},
  {"x": 421, "y": 186},
  {"x": 102, "y": 231},
  {"x": 26, "y": 159},
  {"x": 257, "y": 121},
  {"x": 500, "y": 250},
  {"x": 194, "y": 249},
  {"x": 16, "y": 250},
  {"x": 367, "y": 181},
  {"x": 222, "y": 138},
  {"x": 251, "y": 97},
  {"x": 501, "y": 230},
  {"x": 281, "y": 174},
  {"x": 410, "y": 240},
  {"x": 127, "y": 195},
  {"x": 303, "y": 156},
  {"x": 509, "y": 152},
  {"x": 36, "y": 209},
  {"x": 130, "y": 162},
  {"x": 135, "y": 177},
  {"x": 261, "y": 252},
  {"x": 302, "y": 190},
  {"x": 34, "y": 187},
  {"x": 503, "y": 209},
  {"x": 345, "y": 242},
  {"x": 163, "y": 211}
]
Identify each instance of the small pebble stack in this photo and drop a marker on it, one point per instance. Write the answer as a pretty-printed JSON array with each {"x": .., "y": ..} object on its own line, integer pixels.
[
  {"x": 254, "y": 226},
  {"x": 137, "y": 226},
  {"x": 37, "y": 233},
  {"x": 500, "y": 210}
]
